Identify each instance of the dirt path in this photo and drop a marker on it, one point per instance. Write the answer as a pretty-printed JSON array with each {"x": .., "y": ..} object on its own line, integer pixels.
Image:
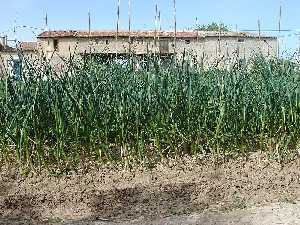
[
  {"x": 186, "y": 191},
  {"x": 279, "y": 214},
  {"x": 274, "y": 214}
]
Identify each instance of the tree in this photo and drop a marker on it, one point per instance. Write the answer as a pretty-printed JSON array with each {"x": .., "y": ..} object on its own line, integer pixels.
[{"x": 212, "y": 27}]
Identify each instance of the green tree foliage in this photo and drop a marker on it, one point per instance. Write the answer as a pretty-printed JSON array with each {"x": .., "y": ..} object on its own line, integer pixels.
[{"x": 212, "y": 27}]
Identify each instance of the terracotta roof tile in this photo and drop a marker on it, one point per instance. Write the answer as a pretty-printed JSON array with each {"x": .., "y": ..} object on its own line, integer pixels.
[
  {"x": 142, "y": 34},
  {"x": 23, "y": 46},
  {"x": 28, "y": 46},
  {"x": 5, "y": 48}
]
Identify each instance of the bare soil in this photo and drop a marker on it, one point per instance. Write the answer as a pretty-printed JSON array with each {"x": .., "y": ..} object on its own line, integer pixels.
[{"x": 177, "y": 191}]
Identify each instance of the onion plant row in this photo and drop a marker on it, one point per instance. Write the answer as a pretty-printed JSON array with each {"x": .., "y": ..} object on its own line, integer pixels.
[{"x": 106, "y": 112}]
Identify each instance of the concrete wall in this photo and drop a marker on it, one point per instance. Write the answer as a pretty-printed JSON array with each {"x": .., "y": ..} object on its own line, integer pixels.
[
  {"x": 6, "y": 58},
  {"x": 211, "y": 50},
  {"x": 65, "y": 46},
  {"x": 208, "y": 50}
]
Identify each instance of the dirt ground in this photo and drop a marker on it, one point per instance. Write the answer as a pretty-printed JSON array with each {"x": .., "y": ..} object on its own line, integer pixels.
[{"x": 182, "y": 191}]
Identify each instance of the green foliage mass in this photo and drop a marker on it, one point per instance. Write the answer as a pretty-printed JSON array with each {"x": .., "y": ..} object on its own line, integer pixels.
[
  {"x": 108, "y": 112},
  {"x": 213, "y": 27}
]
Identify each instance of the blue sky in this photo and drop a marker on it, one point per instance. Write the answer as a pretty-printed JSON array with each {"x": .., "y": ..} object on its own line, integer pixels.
[{"x": 72, "y": 14}]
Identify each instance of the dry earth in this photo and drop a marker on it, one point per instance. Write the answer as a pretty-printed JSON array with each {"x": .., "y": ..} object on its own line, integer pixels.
[{"x": 184, "y": 191}]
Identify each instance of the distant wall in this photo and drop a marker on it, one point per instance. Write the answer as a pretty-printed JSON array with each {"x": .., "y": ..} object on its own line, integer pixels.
[
  {"x": 208, "y": 49},
  {"x": 7, "y": 58}
]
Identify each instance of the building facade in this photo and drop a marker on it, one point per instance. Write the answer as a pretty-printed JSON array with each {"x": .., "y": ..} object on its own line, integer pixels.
[
  {"x": 11, "y": 58},
  {"x": 206, "y": 47},
  {"x": 203, "y": 46}
]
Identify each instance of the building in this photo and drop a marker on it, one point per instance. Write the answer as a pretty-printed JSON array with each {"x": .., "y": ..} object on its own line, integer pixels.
[
  {"x": 207, "y": 47},
  {"x": 204, "y": 46},
  {"x": 10, "y": 58}
]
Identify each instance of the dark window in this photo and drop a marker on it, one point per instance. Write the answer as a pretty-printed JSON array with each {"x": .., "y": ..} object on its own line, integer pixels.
[
  {"x": 164, "y": 46},
  {"x": 55, "y": 44},
  {"x": 241, "y": 40},
  {"x": 106, "y": 42},
  {"x": 187, "y": 42}
]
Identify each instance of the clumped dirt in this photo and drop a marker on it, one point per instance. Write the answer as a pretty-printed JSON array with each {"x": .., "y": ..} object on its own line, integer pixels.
[{"x": 174, "y": 188}]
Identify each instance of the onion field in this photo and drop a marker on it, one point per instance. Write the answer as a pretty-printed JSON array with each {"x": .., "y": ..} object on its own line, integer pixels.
[{"x": 112, "y": 113}]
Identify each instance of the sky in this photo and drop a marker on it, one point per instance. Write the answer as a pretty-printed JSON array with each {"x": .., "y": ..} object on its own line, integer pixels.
[{"x": 73, "y": 15}]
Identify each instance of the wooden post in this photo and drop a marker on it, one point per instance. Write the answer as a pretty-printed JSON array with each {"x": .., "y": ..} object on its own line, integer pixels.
[
  {"x": 259, "y": 35},
  {"x": 280, "y": 15},
  {"x": 159, "y": 28},
  {"x": 156, "y": 26},
  {"x": 89, "y": 35},
  {"x": 175, "y": 27},
  {"x": 117, "y": 27},
  {"x": 259, "y": 30},
  {"x": 5, "y": 40},
  {"x": 89, "y": 22},
  {"x": 129, "y": 24},
  {"x": 219, "y": 40},
  {"x": 118, "y": 19},
  {"x": 279, "y": 30},
  {"x": 15, "y": 32},
  {"x": 197, "y": 29},
  {"x": 46, "y": 22},
  {"x": 159, "y": 19},
  {"x": 237, "y": 42}
]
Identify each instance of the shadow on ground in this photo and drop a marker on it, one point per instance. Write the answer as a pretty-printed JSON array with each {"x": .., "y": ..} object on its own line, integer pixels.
[
  {"x": 109, "y": 196},
  {"x": 117, "y": 205}
]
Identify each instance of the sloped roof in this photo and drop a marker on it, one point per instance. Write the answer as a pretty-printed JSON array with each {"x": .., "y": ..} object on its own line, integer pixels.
[
  {"x": 6, "y": 48},
  {"x": 28, "y": 46},
  {"x": 143, "y": 34},
  {"x": 23, "y": 46}
]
